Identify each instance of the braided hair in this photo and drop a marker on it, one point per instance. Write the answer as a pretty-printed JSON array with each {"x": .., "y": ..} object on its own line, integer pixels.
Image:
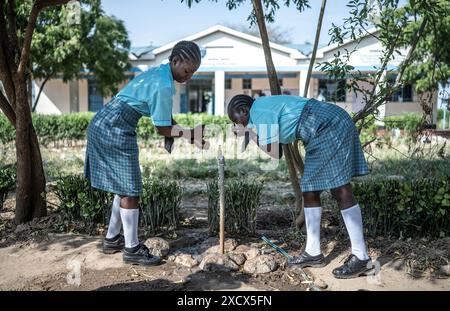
[
  {"x": 237, "y": 102},
  {"x": 186, "y": 51}
]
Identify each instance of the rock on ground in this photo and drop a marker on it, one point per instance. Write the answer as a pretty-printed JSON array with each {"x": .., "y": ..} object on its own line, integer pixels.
[
  {"x": 186, "y": 260},
  {"x": 218, "y": 262},
  {"x": 260, "y": 264},
  {"x": 157, "y": 246}
]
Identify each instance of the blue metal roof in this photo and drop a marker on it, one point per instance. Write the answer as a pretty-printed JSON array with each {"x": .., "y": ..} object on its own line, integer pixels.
[
  {"x": 138, "y": 51},
  {"x": 306, "y": 48}
]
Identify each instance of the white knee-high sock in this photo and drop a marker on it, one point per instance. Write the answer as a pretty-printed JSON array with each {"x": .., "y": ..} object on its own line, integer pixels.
[
  {"x": 312, "y": 217},
  {"x": 114, "y": 222},
  {"x": 130, "y": 220},
  {"x": 353, "y": 222}
]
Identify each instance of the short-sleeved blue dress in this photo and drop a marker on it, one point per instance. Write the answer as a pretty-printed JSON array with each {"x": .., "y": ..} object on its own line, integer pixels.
[
  {"x": 112, "y": 154},
  {"x": 333, "y": 149}
]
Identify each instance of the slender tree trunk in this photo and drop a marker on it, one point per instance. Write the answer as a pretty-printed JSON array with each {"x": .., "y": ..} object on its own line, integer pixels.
[
  {"x": 30, "y": 191},
  {"x": 300, "y": 221},
  {"x": 39, "y": 93},
  {"x": 316, "y": 44},
  {"x": 276, "y": 90}
]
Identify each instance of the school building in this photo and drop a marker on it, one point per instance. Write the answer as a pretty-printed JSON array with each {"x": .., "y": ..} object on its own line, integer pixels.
[{"x": 233, "y": 63}]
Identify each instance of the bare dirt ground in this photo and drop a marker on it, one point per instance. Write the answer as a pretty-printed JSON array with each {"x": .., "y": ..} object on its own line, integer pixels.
[{"x": 36, "y": 257}]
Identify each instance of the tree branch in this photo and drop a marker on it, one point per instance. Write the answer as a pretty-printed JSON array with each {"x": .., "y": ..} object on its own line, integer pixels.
[
  {"x": 40, "y": 92},
  {"x": 7, "y": 59},
  {"x": 272, "y": 73},
  {"x": 408, "y": 58},
  {"x": 7, "y": 109},
  {"x": 316, "y": 43},
  {"x": 14, "y": 40},
  {"x": 37, "y": 7},
  {"x": 25, "y": 53},
  {"x": 375, "y": 102}
]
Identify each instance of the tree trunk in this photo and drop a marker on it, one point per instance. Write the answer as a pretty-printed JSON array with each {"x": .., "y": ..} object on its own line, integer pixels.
[
  {"x": 276, "y": 90},
  {"x": 39, "y": 94},
  {"x": 300, "y": 221},
  {"x": 30, "y": 189}
]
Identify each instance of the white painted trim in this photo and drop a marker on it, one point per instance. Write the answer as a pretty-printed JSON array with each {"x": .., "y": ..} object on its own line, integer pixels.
[
  {"x": 322, "y": 51},
  {"x": 219, "y": 28}
]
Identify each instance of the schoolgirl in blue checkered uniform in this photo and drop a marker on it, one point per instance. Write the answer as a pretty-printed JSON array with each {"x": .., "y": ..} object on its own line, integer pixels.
[
  {"x": 112, "y": 154},
  {"x": 333, "y": 155}
]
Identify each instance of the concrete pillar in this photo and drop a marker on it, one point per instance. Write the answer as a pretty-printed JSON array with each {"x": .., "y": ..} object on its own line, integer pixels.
[
  {"x": 219, "y": 93},
  {"x": 302, "y": 82},
  {"x": 74, "y": 96}
]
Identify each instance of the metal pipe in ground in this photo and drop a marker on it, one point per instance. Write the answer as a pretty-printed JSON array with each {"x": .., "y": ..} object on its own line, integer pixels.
[{"x": 221, "y": 164}]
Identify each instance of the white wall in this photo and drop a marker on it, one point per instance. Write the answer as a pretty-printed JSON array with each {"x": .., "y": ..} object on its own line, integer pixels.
[
  {"x": 55, "y": 98},
  {"x": 225, "y": 50}
]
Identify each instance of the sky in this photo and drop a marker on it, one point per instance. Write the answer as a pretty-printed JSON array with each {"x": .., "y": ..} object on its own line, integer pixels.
[{"x": 158, "y": 22}]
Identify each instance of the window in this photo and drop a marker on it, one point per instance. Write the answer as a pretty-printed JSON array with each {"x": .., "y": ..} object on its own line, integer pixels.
[
  {"x": 247, "y": 84},
  {"x": 403, "y": 94},
  {"x": 95, "y": 96},
  {"x": 228, "y": 84},
  {"x": 332, "y": 90}
]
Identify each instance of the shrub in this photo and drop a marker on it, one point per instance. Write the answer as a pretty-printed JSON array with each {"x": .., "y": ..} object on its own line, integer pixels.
[
  {"x": 410, "y": 122},
  {"x": 400, "y": 208},
  {"x": 160, "y": 204},
  {"x": 73, "y": 126},
  {"x": 79, "y": 201},
  {"x": 7, "y": 182},
  {"x": 7, "y": 131},
  {"x": 241, "y": 202}
]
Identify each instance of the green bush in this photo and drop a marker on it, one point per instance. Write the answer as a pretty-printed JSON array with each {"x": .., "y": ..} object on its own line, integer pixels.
[
  {"x": 368, "y": 131},
  {"x": 241, "y": 202},
  {"x": 7, "y": 131},
  {"x": 405, "y": 208},
  {"x": 73, "y": 126},
  {"x": 160, "y": 204},
  {"x": 7, "y": 182},
  {"x": 79, "y": 201},
  {"x": 410, "y": 122}
]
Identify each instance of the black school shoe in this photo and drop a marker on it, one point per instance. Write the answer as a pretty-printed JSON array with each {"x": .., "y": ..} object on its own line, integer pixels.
[
  {"x": 353, "y": 268},
  {"x": 306, "y": 260},
  {"x": 113, "y": 245},
  {"x": 140, "y": 255}
]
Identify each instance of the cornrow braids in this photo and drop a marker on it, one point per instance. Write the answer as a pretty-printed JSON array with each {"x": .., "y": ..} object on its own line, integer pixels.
[
  {"x": 237, "y": 102},
  {"x": 186, "y": 51}
]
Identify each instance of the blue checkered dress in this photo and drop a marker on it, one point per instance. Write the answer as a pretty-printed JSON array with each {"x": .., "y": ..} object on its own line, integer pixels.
[
  {"x": 333, "y": 150},
  {"x": 112, "y": 154}
]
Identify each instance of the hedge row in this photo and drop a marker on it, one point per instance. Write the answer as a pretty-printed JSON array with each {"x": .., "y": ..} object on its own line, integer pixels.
[
  {"x": 159, "y": 203},
  {"x": 400, "y": 208},
  {"x": 73, "y": 126}
]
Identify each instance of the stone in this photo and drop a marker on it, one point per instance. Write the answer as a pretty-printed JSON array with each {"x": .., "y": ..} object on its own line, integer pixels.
[
  {"x": 248, "y": 251},
  {"x": 218, "y": 262},
  {"x": 260, "y": 264},
  {"x": 158, "y": 247},
  {"x": 230, "y": 244},
  {"x": 320, "y": 283},
  {"x": 237, "y": 258},
  {"x": 186, "y": 260}
]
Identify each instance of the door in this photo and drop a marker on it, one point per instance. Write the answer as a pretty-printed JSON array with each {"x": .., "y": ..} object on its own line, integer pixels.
[{"x": 95, "y": 96}]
